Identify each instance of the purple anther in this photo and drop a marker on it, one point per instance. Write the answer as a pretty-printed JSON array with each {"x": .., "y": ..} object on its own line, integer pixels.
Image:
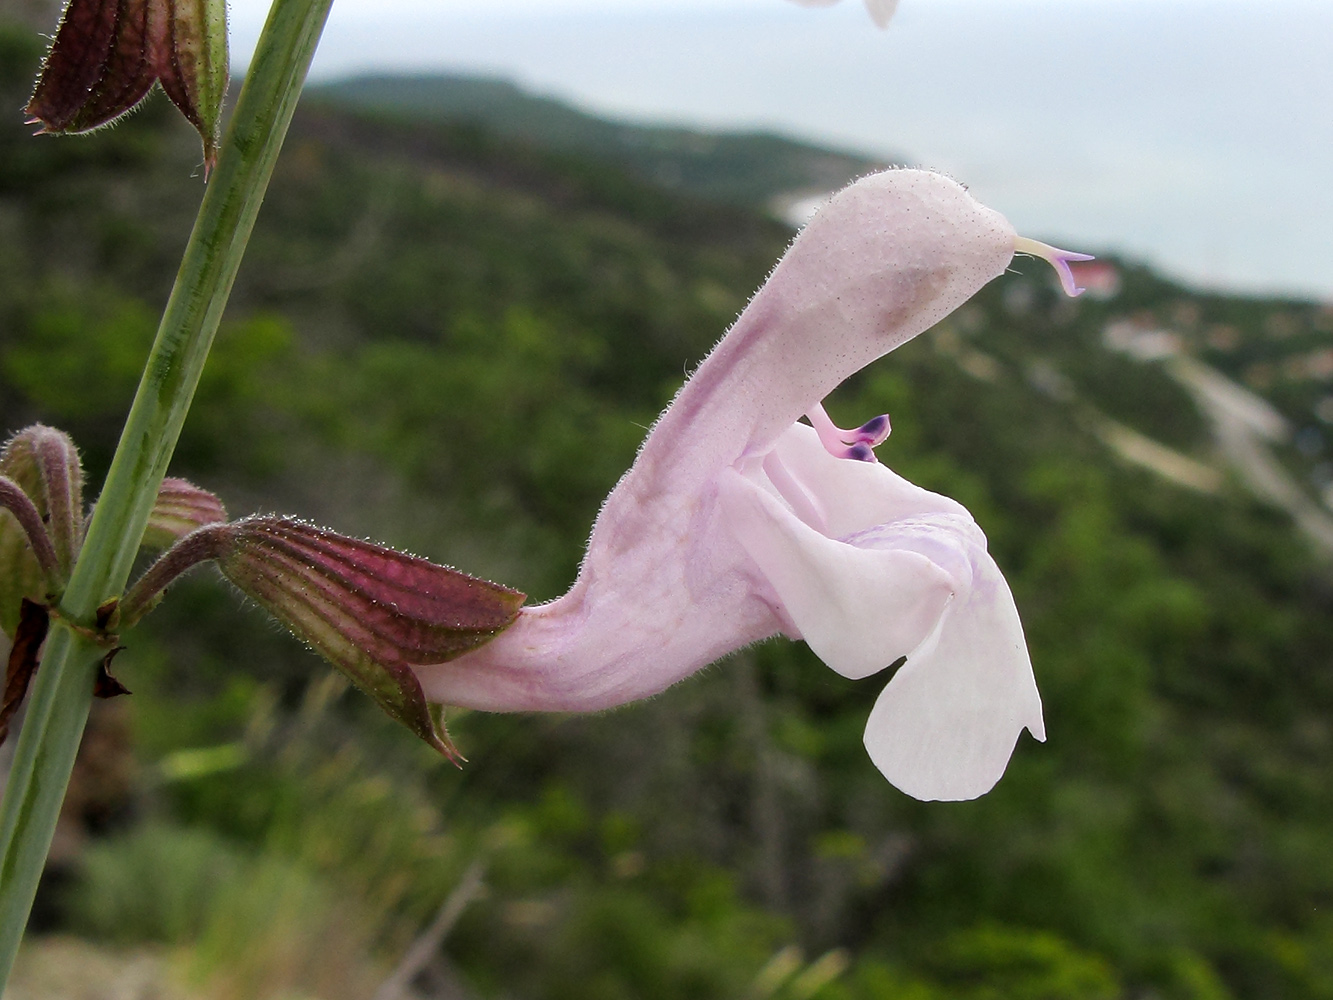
[
  {"x": 854, "y": 444},
  {"x": 873, "y": 432},
  {"x": 1057, "y": 258}
]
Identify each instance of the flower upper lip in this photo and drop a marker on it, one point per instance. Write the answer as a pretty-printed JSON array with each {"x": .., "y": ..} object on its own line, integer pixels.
[{"x": 732, "y": 508}]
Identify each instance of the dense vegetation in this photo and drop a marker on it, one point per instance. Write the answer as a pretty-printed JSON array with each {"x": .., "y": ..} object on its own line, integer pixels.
[
  {"x": 452, "y": 342},
  {"x": 752, "y": 169}
]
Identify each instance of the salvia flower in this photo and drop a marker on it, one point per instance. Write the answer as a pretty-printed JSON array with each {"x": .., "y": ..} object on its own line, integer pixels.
[{"x": 737, "y": 522}]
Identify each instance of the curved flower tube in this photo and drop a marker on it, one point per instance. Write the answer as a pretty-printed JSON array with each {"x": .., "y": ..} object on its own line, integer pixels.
[{"x": 737, "y": 522}]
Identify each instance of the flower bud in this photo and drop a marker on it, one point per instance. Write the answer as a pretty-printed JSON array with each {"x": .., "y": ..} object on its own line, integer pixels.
[
  {"x": 106, "y": 57},
  {"x": 181, "y": 507},
  {"x": 371, "y": 611},
  {"x": 43, "y": 463}
]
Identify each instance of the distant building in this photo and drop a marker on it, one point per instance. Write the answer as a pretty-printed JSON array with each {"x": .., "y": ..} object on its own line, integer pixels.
[
  {"x": 1139, "y": 341},
  {"x": 1101, "y": 278}
]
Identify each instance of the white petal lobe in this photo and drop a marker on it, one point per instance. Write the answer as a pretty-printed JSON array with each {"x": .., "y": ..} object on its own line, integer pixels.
[{"x": 946, "y": 725}]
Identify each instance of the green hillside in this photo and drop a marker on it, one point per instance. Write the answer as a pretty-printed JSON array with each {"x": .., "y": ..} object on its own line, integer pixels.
[
  {"x": 452, "y": 341},
  {"x": 753, "y": 169}
]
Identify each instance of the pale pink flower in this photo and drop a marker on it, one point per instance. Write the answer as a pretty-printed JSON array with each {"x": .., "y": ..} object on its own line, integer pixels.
[{"x": 737, "y": 522}]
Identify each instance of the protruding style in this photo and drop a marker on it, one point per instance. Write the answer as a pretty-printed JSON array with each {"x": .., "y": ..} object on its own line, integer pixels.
[{"x": 1057, "y": 258}]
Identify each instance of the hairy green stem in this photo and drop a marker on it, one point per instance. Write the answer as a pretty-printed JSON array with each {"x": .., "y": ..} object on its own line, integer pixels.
[{"x": 62, "y": 691}]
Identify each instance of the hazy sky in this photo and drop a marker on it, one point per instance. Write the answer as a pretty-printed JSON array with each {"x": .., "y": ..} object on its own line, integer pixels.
[{"x": 1197, "y": 134}]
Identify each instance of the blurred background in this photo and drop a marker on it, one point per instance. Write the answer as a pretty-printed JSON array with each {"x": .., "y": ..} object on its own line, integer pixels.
[
  {"x": 496, "y": 240},
  {"x": 1189, "y": 133}
]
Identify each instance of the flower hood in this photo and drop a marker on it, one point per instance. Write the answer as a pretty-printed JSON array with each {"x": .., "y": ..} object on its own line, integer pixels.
[{"x": 737, "y": 522}]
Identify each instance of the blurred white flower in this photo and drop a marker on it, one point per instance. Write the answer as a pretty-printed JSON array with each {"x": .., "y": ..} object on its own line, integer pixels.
[{"x": 881, "y": 11}]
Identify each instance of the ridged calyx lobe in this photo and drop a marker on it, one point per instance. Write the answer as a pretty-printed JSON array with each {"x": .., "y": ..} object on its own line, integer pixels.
[
  {"x": 371, "y": 611},
  {"x": 181, "y": 507},
  {"x": 108, "y": 54}
]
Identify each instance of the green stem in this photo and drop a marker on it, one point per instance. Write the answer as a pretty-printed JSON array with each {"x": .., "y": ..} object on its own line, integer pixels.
[{"x": 62, "y": 691}]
